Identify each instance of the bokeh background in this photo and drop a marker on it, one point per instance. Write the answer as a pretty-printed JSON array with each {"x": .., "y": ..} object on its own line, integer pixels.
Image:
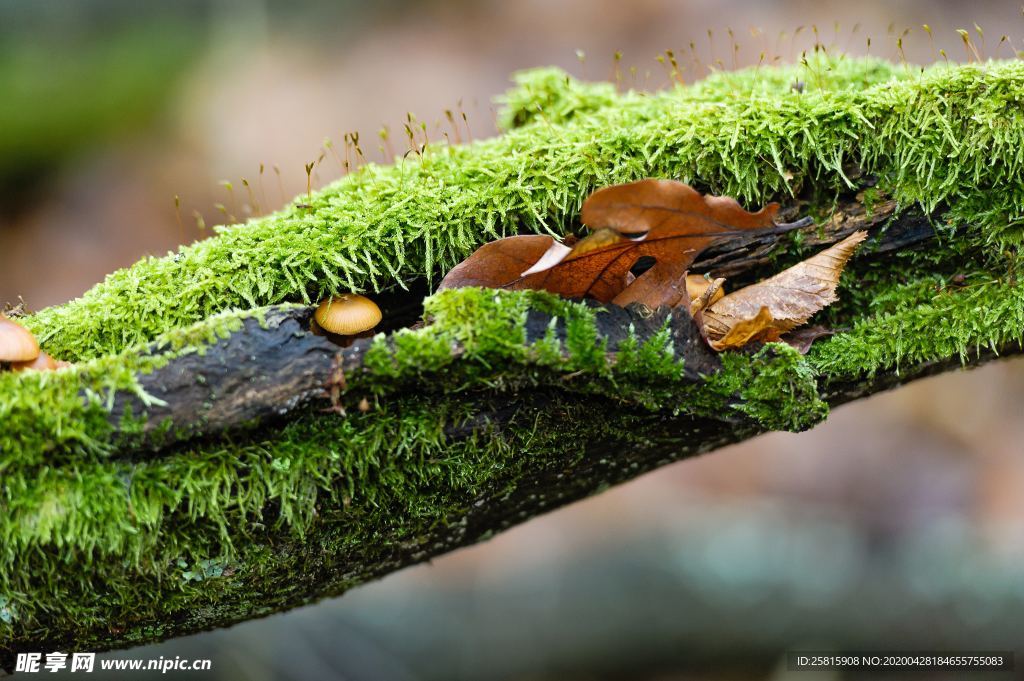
[{"x": 127, "y": 128}]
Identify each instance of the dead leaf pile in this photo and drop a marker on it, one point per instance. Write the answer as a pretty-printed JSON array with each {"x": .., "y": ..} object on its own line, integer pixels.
[
  {"x": 668, "y": 224},
  {"x": 665, "y": 220}
]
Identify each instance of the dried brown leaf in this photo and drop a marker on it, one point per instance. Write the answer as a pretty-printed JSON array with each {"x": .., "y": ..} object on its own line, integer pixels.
[
  {"x": 779, "y": 303},
  {"x": 497, "y": 263},
  {"x": 759, "y": 328}
]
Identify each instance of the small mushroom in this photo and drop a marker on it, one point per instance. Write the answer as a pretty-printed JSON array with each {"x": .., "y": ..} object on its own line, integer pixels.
[
  {"x": 347, "y": 315},
  {"x": 17, "y": 344},
  {"x": 41, "y": 363}
]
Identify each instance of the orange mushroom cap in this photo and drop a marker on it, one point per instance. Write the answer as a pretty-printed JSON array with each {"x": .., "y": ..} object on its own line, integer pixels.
[
  {"x": 347, "y": 314},
  {"x": 17, "y": 344}
]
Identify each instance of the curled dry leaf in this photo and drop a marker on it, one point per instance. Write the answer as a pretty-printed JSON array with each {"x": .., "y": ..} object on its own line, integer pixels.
[
  {"x": 497, "y": 264},
  {"x": 760, "y": 327},
  {"x": 766, "y": 310},
  {"x": 667, "y": 221},
  {"x": 703, "y": 291}
]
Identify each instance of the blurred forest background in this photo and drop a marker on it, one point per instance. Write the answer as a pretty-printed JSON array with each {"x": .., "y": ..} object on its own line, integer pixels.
[{"x": 899, "y": 523}]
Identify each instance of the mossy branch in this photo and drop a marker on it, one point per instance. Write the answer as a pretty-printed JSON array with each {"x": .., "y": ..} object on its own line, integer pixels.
[
  {"x": 184, "y": 475},
  {"x": 273, "y": 366}
]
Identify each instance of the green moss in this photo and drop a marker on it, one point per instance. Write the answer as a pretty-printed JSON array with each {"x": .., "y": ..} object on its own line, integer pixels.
[
  {"x": 475, "y": 340},
  {"x": 776, "y": 389},
  {"x": 552, "y": 96},
  {"x": 189, "y": 526},
  {"x": 221, "y": 532},
  {"x": 51, "y": 417},
  {"x": 928, "y": 321}
]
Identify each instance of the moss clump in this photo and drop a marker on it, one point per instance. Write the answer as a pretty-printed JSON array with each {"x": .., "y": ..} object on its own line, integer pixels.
[
  {"x": 775, "y": 388},
  {"x": 84, "y": 541},
  {"x": 926, "y": 321},
  {"x": 758, "y": 380},
  {"x": 475, "y": 340},
  {"x": 52, "y": 417},
  {"x": 552, "y": 96},
  {"x": 191, "y": 529},
  {"x": 313, "y": 509}
]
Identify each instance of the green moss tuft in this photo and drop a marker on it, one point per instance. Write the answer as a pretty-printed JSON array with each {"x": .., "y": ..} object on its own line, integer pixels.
[
  {"x": 926, "y": 321},
  {"x": 775, "y": 388},
  {"x": 553, "y": 96},
  {"x": 50, "y": 417},
  {"x": 776, "y": 370}
]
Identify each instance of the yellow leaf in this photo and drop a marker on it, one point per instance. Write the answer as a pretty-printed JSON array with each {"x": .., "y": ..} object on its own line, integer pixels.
[{"x": 759, "y": 328}]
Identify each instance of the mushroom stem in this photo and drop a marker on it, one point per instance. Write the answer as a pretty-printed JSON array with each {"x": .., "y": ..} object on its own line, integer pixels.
[{"x": 41, "y": 363}]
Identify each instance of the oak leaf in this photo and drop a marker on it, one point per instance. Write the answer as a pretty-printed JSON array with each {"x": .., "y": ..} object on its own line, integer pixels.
[
  {"x": 766, "y": 310},
  {"x": 665, "y": 220}
]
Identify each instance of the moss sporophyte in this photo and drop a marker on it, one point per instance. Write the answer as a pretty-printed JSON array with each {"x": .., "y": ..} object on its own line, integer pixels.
[{"x": 216, "y": 530}]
